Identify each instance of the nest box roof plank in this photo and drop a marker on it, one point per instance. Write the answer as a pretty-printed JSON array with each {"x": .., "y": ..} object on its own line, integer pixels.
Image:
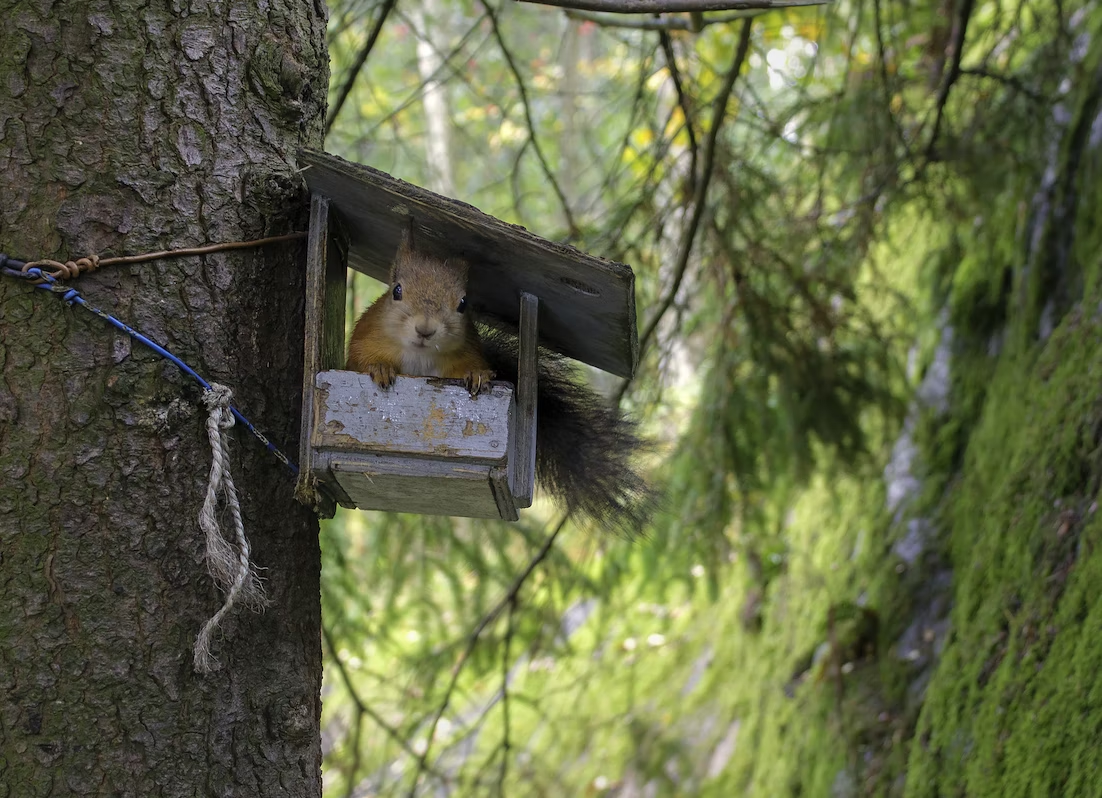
[{"x": 587, "y": 304}]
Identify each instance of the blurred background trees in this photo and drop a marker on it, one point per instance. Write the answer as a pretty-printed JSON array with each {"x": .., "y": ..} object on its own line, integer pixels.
[{"x": 847, "y": 223}]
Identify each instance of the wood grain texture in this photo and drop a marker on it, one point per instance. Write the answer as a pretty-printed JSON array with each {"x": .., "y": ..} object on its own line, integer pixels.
[
  {"x": 416, "y": 416},
  {"x": 523, "y": 462},
  {"x": 428, "y": 487},
  {"x": 507, "y": 506},
  {"x": 320, "y": 350},
  {"x": 588, "y": 303}
]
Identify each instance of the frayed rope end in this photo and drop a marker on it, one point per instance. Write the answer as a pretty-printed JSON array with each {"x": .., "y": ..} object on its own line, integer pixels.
[{"x": 228, "y": 561}]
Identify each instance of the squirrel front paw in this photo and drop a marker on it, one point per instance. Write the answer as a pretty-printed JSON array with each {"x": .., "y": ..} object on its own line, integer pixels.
[
  {"x": 381, "y": 373},
  {"x": 478, "y": 381}
]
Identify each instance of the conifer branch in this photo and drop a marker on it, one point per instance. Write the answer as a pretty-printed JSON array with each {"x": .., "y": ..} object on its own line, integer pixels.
[
  {"x": 571, "y": 225},
  {"x": 719, "y": 111},
  {"x": 361, "y": 59},
  {"x": 609, "y": 20},
  {"x": 673, "y": 6},
  {"x": 960, "y": 31}
]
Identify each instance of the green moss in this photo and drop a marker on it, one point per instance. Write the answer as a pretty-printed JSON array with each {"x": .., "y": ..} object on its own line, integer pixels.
[{"x": 1014, "y": 708}]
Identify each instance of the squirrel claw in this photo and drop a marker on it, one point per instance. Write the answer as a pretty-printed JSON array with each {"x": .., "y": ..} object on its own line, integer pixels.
[
  {"x": 382, "y": 374},
  {"x": 478, "y": 381}
]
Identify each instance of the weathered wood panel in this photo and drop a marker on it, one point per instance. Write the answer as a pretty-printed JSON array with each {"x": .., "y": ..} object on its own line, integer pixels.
[
  {"x": 324, "y": 338},
  {"x": 506, "y": 503},
  {"x": 416, "y": 416},
  {"x": 588, "y": 303},
  {"x": 523, "y": 461},
  {"x": 428, "y": 487}
]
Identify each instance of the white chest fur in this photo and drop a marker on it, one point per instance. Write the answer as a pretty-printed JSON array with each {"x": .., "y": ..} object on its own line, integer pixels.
[{"x": 419, "y": 363}]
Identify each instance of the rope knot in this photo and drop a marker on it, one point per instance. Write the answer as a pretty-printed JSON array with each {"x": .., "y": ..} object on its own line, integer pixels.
[
  {"x": 217, "y": 396},
  {"x": 217, "y": 400}
]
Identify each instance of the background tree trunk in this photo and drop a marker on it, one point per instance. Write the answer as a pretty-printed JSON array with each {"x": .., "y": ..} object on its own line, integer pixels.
[
  {"x": 433, "y": 39},
  {"x": 127, "y": 127}
]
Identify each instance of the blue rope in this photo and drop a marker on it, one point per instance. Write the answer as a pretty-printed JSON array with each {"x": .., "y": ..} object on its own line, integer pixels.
[{"x": 70, "y": 296}]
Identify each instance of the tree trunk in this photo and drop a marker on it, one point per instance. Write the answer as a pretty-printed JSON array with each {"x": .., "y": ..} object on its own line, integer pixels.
[
  {"x": 429, "y": 21},
  {"x": 571, "y": 145},
  {"x": 127, "y": 127}
]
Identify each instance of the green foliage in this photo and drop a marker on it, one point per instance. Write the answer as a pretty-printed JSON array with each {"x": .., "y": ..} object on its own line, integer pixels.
[
  {"x": 1010, "y": 712},
  {"x": 869, "y": 205}
]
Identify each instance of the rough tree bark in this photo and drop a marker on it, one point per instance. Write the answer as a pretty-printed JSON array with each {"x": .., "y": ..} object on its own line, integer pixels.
[{"x": 126, "y": 127}]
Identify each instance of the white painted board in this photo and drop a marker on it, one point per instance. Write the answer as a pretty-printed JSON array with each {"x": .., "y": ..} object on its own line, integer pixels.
[{"x": 417, "y": 416}]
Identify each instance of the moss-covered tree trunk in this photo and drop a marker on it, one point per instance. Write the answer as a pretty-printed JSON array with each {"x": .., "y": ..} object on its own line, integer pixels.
[{"x": 127, "y": 127}]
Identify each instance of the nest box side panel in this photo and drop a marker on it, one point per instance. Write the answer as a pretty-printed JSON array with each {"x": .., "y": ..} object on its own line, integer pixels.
[
  {"x": 522, "y": 460},
  {"x": 416, "y": 416},
  {"x": 323, "y": 346},
  {"x": 587, "y": 304},
  {"x": 427, "y": 487}
]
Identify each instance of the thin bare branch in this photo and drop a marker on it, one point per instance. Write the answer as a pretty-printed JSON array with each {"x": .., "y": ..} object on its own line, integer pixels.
[
  {"x": 571, "y": 225},
  {"x": 361, "y": 59},
  {"x": 606, "y": 20},
  {"x": 445, "y": 71},
  {"x": 673, "y": 6},
  {"x": 357, "y": 749},
  {"x": 719, "y": 111},
  {"x": 885, "y": 80},
  {"x": 683, "y": 101},
  {"x": 363, "y": 709},
  {"x": 625, "y": 141},
  {"x": 510, "y": 628},
  {"x": 507, "y": 601},
  {"x": 1009, "y": 80},
  {"x": 960, "y": 31}
]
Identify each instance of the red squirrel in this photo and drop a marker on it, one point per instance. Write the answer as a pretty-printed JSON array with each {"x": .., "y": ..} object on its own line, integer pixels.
[{"x": 420, "y": 327}]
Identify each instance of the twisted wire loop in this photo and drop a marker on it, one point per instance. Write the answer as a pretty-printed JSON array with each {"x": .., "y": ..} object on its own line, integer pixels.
[
  {"x": 228, "y": 557},
  {"x": 227, "y": 560},
  {"x": 74, "y": 268},
  {"x": 63, "y": 271},
  {"x": 70, "y": 296}
]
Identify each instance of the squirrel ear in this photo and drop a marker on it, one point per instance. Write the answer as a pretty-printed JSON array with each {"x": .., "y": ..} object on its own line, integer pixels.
[
  {"x": 405, "y": 249},
  {"x": 461, "y": 266}
]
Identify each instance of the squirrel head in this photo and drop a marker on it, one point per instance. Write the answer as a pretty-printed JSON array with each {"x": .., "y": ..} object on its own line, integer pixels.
[{"x": 427, "y": 302}]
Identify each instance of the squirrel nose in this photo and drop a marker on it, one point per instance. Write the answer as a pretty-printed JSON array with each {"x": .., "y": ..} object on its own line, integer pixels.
[{"x": 426, "y": 331}]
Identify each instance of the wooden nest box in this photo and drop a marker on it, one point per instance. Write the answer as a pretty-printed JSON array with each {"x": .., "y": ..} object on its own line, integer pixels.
[{"x": 424, "y": 445}]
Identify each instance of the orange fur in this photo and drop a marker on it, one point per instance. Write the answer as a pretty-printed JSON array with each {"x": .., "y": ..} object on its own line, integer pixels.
[
  {"x": 423, "y": 333},
  {"x": 585, "y": 446}
]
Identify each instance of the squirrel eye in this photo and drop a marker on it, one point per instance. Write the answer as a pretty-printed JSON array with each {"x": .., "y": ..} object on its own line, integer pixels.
[
  {"x": 397, "y": 293},
  {"x": 462, "y": 305}
]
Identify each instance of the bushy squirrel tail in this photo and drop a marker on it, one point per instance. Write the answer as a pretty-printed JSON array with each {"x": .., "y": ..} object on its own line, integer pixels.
[{"x": 584, "y": 445}]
